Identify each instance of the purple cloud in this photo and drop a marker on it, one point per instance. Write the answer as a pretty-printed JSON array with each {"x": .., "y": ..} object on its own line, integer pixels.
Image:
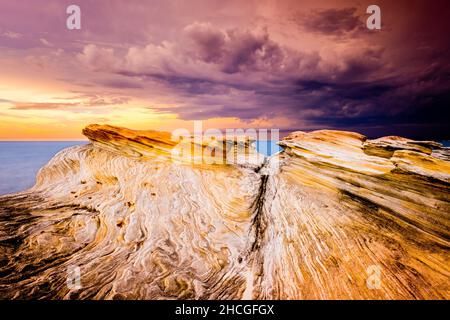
[
  {"x": 207, "y": 59},
  {"x": 332, "y": 22}
]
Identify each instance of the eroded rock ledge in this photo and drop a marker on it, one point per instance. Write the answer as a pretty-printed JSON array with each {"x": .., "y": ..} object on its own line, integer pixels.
[{"x": 312, "y": 222}]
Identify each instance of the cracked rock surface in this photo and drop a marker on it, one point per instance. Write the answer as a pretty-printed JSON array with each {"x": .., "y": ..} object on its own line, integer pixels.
[{"x": 317, "y": 221}]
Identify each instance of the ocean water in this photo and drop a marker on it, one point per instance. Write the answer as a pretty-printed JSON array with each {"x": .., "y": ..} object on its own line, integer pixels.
[
  {"x": 267, "y": 147},
  {"x": 21, "y": 160},
  {"x": 446, "y": 143}
]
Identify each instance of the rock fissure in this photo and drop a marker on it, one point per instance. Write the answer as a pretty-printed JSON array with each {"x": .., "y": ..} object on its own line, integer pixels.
[{"x": 258, "y": 215}]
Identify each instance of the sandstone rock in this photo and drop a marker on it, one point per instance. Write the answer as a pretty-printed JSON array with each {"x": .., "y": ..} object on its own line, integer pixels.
[
  {"x": 386, "y": 146},
  {"x": 317, "y": 221}
]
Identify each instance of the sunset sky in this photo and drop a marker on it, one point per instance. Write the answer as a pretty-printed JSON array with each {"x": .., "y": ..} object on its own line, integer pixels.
[{"x": 292, "y": 65}]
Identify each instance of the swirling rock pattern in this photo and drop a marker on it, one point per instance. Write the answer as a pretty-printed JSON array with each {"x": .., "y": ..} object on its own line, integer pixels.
[{"x": 141, "y": 221}]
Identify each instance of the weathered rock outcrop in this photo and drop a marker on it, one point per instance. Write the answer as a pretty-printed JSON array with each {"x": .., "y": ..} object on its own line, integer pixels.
[{"x": 333, "y": 216}]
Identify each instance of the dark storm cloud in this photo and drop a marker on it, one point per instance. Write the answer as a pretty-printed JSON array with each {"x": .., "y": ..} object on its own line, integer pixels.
[
  {"x": 331, "y": 22},
  {"x": 195, "y": 85},
  {"x": 417, "y": 106},
  {"x": 392, "y": 81},
  {"x": 122, "y": 84},
  {"x": 207, "y": 42},
  {"x": 251, "y": 76},
  {"x": 233, "y": 50}
]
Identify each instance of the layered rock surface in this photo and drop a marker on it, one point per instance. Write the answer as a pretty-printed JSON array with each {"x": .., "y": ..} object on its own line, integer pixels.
[{"x": 333, "y": 216}]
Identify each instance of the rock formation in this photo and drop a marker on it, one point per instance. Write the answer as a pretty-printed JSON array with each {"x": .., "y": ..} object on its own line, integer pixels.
[{"x": 333, "y": 216}]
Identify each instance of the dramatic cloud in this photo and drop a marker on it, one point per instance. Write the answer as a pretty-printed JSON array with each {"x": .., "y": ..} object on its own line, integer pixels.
[
  {"x": 82, "y": 101},
  {"x": 243, "y": 73},
  {"x": 42, "y": 106},
  {"x": 313, "y": 64},
  {"x": 11, "y": 35},
  {"x": 332, "y": 22}
]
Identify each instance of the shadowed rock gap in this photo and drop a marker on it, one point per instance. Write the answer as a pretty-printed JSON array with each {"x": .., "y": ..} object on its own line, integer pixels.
[{"x": 258, "y": 206}]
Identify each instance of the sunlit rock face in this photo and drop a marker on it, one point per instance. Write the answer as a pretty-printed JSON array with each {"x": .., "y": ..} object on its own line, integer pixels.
[{"x": 333, "y": 216}]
